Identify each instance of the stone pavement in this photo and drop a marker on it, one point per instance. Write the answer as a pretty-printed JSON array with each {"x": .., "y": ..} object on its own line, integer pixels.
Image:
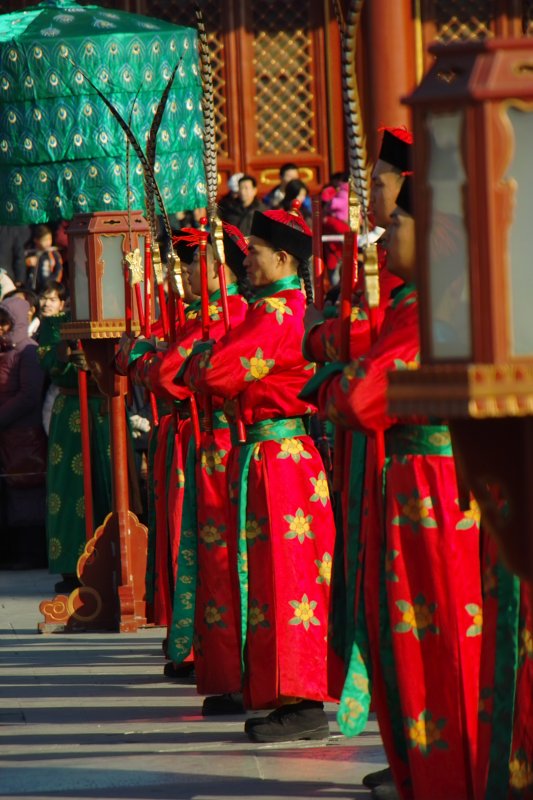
[{"x": 91, "y": 716}]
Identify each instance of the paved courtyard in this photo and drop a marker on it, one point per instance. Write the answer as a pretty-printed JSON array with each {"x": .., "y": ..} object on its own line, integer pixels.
[{"x": 91, "y": 716}]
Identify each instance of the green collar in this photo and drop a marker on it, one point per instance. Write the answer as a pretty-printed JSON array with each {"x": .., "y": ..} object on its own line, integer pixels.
[
  {"x": 231, "y": 289},
  {"x": 290, "y": 282},
  {"x": 401, "y": 292},
  {"x": 196, "y": 305}
]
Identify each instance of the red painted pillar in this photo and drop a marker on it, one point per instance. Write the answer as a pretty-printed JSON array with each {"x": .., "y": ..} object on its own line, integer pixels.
[{"x": 388, "y": 37}]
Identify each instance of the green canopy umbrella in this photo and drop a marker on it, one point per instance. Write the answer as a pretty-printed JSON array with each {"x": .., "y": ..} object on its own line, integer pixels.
[{"x": 61, "y": 150}]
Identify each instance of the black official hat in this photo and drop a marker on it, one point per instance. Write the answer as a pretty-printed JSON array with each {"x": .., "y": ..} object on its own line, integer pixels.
[
  {"x": 235, "y": 247},
  {"x": 396, "y": 148},
  {"x": 284, "y": 231},
  {"x": 405, "y": 197}
]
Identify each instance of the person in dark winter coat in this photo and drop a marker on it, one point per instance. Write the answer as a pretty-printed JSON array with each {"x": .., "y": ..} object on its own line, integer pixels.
[{"x": 22, "y": 441}]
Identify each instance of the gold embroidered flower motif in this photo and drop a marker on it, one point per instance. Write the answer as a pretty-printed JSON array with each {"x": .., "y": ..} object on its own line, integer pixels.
[
  {"x": 293, "y": 448},
  {"x": 184, "y": 351},
  {"x": 277, "y": 305},
  {"x": 77, "y": 464},
  {"x": 520, "y": 771},
  {"x": 425, "y": 734},
  {"x": 211, "y": 460},
  {"x": 54, "y": 549},
  {"x": 471, "y": 517},
  {"x": 215, "y": 312},
  {"x": 258, "y": 367},
  {"x": 55, "y": 453},
  {"x": 304, "y": 612},
  {"x": 213, "y": 615},
  {"x": 414, "y": 511},
  {"x": 351, "y": 709},
  {"x": 476, "y": 612},
  {"x": 54, "y": 503},
  {"x": 204, "y": 362},
  {"x": 417, "y": 617},
  {"x": 299, "y": 526},
  {"x": 257, "y": 615},
  {"x": 186, "y": 600},
  {"x": 74, "y": 422},
  {"x": 254, "y": 531},
  {"x": 211, "y": 535},
  {"x": 324, "y": 569},
  {"x": 188, "y": 555},
  {"x": 180, "y": 478},
  {"x": 357, "y": 313},
  {"x": 414, "y": 364},
  {"x": 320, "y": 485}
]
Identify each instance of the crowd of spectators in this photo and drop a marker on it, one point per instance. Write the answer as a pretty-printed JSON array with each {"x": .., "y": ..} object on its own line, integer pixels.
[{"x": 32, "y": 287}]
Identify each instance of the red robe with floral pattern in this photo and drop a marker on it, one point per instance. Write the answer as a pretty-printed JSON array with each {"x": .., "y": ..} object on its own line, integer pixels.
[
  {"x": 216, "y": 650},
  {"x": 282, "y": 528},
  {"x": 421, "y": 576},
  {"x": 322, "y": 345}
]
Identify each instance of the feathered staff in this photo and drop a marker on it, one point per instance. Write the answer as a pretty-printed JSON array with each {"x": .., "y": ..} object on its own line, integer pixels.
[
  {"x": 211, "y": 172},
  {"x": 151, "y": 188},
  {"x": 151, "y": 191},
  {"x": 359, "y": 186},
  {"x": 359, "y": 193},
  {"x": 150, "y": 204}
]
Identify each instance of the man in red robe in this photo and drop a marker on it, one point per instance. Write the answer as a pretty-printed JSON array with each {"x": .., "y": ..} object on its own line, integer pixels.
[
  {"x": 201, "y": 610},
  {"x": 422, "y": 585},
  {"x": 282, "y": 527}
]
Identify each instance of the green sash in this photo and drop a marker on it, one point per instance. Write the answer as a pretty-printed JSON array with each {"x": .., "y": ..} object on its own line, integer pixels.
[{"x": 421, "y": 440}]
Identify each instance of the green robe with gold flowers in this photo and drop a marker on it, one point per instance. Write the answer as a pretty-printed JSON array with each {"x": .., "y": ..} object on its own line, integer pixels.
[{"x": 65, "y": 516}]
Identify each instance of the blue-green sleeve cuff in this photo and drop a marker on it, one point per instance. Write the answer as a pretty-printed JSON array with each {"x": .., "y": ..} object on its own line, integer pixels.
[
  {"x": 140, "y": 349},
  {"x": 198, "y": 348},
  {"x": 313, "y": 385}
]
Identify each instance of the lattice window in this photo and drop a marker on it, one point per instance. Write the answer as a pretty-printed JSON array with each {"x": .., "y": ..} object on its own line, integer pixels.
[
  {"x": 183, "y": 13},
  {"x": 283, "y": 69},
  {"x": 459, "y": 20},
  {"x": 527, "y": 17}
]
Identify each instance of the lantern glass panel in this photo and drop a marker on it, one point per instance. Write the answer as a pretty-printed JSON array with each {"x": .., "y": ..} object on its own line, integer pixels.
[
  {"x": 81, "y": 279},
  {"x": 449, "y": 301},
  {"x": 112, "y": 276},
  {"x": 520, "y": 242}
]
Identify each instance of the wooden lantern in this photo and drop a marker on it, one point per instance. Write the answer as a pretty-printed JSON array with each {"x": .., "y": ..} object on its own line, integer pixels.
[
  {"x": 473, "y": 128},
  {"x": 112, "y": 568},
  {"x": 98, "y": 246}
]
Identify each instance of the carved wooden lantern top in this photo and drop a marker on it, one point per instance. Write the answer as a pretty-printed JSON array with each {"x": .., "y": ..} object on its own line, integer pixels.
[
  {"x": 101, "y": 246},
  {"x": 473, "y": 128}
]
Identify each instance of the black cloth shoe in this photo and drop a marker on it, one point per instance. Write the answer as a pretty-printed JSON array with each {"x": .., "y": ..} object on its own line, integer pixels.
[
  {"x": 290, "y": 723},
  {"x": 385, "y": 791},
  {"x": 374, "y": 779},
  {"x": 220, "y": 704},
  {"x": 177, "y": 672}
]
